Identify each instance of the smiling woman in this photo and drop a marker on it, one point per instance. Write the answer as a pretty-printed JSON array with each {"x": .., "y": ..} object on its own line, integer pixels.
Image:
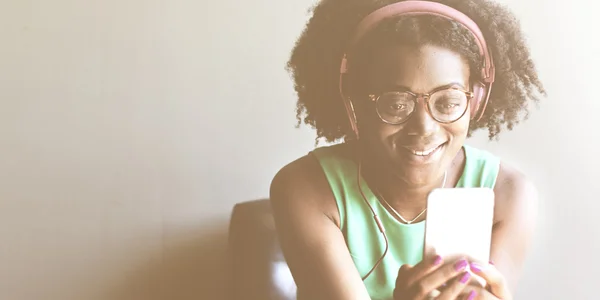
[
  {"x": 403, "y": 84},
  {"x": 420, "y": 151}
]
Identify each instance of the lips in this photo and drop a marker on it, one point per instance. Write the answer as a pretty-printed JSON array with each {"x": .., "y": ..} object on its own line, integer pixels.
[
  {"x": 423, "y": 151},
  {"x": 423, "y": 155}
]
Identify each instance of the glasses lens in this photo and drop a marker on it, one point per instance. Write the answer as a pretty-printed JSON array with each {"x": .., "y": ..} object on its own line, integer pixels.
[
  {"x": 448, "y": 105},
  {"x": 395, "y": 107}
]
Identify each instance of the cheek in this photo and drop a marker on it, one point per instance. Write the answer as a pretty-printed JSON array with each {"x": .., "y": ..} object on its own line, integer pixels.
[
  {"x": 375, "y": 132},
  {"x": 377, "y": 129},
  {"x": 386, "y": 130},
  {"x": 368, "y": 121},
  {"x": 460, "y": 128}
]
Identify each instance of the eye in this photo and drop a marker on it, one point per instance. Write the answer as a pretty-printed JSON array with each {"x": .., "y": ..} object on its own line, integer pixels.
[
  {"x": 398, "y": 106},
  {"x": 395, "y": 106},
  {"x": 449, "y": 101},
  {"x": 447, "y": 105}
]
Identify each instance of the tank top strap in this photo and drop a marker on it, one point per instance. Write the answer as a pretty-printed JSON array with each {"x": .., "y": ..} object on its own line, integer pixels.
[{"x": 481, "y": 168}]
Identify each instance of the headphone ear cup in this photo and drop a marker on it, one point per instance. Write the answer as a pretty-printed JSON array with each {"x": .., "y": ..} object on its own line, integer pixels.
[
  {"x": 479, "y": 93},
  {"x": 350, "y": 113}
]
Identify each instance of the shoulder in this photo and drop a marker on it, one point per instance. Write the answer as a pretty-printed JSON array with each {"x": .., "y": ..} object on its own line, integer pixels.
[
  {"x": 311, "y": 240},
  {"x": 515, "y": 218},
  {"x": 516, "y": 196},
  {"x": 301, "y": 187},
  {"x": 298, "y": 173}
]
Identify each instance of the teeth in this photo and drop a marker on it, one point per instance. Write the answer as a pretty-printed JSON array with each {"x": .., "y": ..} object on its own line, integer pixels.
[{"x": 423, "y": 153}]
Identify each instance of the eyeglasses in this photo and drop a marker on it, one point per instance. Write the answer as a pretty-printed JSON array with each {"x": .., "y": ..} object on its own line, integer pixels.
[{"x": 445, "y": 105}]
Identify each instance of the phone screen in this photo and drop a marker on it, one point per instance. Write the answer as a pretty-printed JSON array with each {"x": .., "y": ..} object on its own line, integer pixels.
[{"x": 459, "y": 222}]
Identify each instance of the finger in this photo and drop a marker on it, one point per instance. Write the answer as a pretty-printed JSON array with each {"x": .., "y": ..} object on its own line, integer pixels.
[
  {"x": 409, "y": 274},
  {"x": 438, "y": 277},
  {"x": 471, "y": 295},
  {"x": 455, "y": 288},
  {"x": 493, "y": 277},
  {"x": 402, "y": 278},
  {"x": 476, "y": 293},
  {"x": 427, "y": 265}
]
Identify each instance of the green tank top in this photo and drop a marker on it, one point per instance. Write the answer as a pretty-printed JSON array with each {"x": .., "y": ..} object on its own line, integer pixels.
[{"x": 362, "y": 236}]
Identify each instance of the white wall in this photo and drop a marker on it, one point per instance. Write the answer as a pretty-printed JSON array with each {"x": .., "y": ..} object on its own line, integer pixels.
[{"x": 128, "y": 129}]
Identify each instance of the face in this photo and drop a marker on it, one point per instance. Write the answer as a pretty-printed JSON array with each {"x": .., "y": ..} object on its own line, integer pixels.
[{"x": 420, "y": 149}]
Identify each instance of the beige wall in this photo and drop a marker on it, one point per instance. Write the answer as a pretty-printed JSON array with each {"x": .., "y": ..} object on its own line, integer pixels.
[{"x": 129, "y": 128}]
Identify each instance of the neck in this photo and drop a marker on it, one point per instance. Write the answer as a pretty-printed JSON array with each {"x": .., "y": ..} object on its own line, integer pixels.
[
  {"x": 406, "y": 198},
  {"x": 398, "y": 192},
  {"x": 386, "y": 182}
]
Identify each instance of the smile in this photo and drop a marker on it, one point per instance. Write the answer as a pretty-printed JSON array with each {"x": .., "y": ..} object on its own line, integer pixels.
[
  {"x": 424, "y": 155},
  {"x": 425, "y": 152}
]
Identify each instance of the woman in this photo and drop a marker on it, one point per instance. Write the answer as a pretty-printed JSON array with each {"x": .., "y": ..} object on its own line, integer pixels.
[{"x": 403, "y": 84}]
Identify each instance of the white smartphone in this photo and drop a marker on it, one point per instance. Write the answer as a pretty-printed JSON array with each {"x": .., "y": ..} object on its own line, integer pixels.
[{"x": 459, "y": 222}]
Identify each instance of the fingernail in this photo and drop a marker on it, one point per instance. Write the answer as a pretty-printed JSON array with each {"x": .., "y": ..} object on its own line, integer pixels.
[
  {"x": 461, "y": 264},
  {"x": 465, "y": 278},
  {"x": 437, "y": 261},
  {"x": 475, "y": 267},
  {"x": 491, "y": 263},
  {"x": 472, "y": 295}
]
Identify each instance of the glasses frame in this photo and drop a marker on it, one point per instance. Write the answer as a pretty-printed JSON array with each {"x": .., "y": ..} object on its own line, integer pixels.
[{"x": 422, "y": 97}]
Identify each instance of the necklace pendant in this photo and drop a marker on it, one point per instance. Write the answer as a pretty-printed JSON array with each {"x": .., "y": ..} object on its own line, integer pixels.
[{"x": 407, "y": 222}]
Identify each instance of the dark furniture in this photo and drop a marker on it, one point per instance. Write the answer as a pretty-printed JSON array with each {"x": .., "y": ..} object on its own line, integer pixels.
[{"x": 258, "y": 268}]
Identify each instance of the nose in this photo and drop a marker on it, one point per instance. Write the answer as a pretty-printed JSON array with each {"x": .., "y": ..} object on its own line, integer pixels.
[{"x": 421, "y": 122}]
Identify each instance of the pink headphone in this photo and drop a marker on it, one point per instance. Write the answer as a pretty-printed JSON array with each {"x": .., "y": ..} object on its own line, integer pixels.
[{"x": 481, "y": 89}]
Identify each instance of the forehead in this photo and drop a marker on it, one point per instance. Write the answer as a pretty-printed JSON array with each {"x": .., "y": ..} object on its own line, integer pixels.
[{"x": 419, "y": 69}]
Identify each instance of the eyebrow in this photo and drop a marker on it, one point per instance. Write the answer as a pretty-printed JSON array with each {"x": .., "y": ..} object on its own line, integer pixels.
[{"x": 397, "y": 87}]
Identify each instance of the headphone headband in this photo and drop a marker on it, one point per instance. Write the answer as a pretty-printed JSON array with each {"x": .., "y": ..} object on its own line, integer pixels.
[
  {"x": 412, "y": 7},
  {"x": 416, "y": 7}
]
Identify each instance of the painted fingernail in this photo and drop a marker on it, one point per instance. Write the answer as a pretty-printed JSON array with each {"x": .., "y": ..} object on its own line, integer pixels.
[
  {"x": 472, "y": 295},
  {"x": 465, "y": 278},
  {"x": 437, "y": 261},
  {"x": 460, "y": 265},
  {"x": 491, "y": 263},
  {"x": 475, "y": 267}
]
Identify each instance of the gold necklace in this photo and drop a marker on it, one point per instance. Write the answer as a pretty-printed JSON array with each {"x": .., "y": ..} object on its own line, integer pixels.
[{"x": 398, "y": 214}]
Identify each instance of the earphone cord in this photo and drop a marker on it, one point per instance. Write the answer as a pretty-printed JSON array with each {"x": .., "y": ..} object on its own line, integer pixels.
[{"x": 377, "y": 220}]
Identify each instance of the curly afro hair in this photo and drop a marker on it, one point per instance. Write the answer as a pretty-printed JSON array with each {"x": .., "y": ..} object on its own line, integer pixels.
[{"x": 314, "y": 63}]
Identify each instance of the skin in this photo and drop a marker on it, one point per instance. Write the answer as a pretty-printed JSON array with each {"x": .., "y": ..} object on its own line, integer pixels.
[
  {"x": 407, "y": 183},
  {"x": 308, "y": 221}
]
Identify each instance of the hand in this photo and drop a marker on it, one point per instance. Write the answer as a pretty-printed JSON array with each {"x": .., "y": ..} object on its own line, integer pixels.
[
  {"x": 496, "y": 283},
  {"x": 418, "y": 282},
  {"x": 476, "y": 293}
]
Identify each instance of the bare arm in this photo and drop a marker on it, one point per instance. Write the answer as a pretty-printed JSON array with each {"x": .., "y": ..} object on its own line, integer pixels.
[
  {"x": 516, "y": 212},
  {"x": 312, "y": 243}
]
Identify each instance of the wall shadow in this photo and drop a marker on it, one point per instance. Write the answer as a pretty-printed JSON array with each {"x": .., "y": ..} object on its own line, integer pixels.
[{"x": 196, "y": 269}]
